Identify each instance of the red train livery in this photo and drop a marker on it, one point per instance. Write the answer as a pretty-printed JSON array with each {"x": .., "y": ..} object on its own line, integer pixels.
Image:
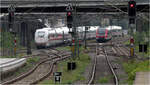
[{"x": 103, "y": 35}]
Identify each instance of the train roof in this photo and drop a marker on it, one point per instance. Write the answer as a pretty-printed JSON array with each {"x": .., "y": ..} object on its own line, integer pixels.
[
  {"x": 93, "y": 28},
  {"x": 40, "y": 30},
  {"x": 61, "y": 30},
  {"x": 51, "y": 30},
  {"x": 65, "y": 28},
  {"x": 114, "y": 28}
]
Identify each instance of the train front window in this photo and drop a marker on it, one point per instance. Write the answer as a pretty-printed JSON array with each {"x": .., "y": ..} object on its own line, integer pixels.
[
  {"x": 41, "y": 34},
  {"x": 101, "y": 31}
]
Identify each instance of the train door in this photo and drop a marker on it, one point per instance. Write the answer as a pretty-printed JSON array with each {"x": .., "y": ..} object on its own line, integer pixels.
[{"x": 52, "y": 39}]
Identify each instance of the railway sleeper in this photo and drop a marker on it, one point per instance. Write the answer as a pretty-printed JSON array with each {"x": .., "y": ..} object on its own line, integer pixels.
[{"x": 115, "y": 66}]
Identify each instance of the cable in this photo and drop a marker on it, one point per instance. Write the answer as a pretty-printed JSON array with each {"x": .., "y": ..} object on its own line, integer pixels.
[
  {"x": 108, "y": 3},
  {"x": 126, "y": 12}
]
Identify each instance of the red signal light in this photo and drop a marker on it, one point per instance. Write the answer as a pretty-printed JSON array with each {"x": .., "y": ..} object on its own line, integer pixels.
[
  {"x": 69, "y": 19},
  {"x": 132, "y": 8},
  {"x": 131, "y": 5},
  {"x": 69, "y": 13},
  {"x": 132, "y": 40}
]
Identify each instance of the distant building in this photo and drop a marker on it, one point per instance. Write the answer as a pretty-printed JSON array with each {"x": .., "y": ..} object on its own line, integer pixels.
[
  {"x": 125, "y": 32},
  {"x": 60, "y": 23},
  {"x": 105, "y": 22}
]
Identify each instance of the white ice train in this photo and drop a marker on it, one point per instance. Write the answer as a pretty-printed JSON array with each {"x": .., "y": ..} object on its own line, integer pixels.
[
  {"x": 50, "y": 37},
  {"x": 115, "y": 30},
  {"x": 90, "y": 34}
]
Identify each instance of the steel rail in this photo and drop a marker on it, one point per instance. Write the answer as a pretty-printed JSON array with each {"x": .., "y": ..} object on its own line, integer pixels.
[
  {"x": 50, "y": 71},
  {"x": 112, "y": 70},
  {"x": 94, "y": 68}
]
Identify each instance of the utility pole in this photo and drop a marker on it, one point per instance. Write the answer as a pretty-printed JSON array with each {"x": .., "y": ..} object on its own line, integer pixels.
[
  {"x": 85, "y": 37},
  {"x": 23, "y": 33},
  {"x": 76, "y": 31},
  {"x": 111, "y": 30},
  {"x": 28, "y": 38}
]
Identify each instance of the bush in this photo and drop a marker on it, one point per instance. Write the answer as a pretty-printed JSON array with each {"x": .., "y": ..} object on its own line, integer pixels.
[{"x": 7, "y": 40}]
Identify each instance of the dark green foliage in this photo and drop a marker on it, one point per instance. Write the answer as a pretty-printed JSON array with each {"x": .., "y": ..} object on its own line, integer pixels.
[{"x": 7, "y": 40}]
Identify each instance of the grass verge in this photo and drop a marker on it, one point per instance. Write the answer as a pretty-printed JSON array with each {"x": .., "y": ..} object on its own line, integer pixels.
[
  {"x": 29, "y": 64},
  {"x": 104, "y": 80},
  {"x": 127, "y": 42},
  {"x": 132, "y": 66},
  {"x": 67, "y": 48}
]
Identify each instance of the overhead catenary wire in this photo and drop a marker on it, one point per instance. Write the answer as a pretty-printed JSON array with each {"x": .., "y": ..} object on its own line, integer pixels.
[
  {"x": 126, "y": 12},
  {"x": 107, "y": 2}
]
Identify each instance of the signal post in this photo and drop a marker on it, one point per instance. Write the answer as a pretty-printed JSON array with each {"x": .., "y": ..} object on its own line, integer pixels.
[
  {"x": 72, "y": 30},
  {"x": 132, "y": 24},
  {"x": 11, "y": 16}
]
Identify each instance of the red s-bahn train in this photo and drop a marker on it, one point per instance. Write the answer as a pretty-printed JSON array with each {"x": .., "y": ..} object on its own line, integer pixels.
[{"x": 103, "y": 35}]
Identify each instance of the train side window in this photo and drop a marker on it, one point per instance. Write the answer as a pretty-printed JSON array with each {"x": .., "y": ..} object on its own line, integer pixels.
[{"x": 41, "y": 34}]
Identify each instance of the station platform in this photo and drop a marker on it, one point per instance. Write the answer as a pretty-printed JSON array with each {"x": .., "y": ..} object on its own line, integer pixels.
[
  {"x": 142, "y": 78},
  {"x": 10, "y": 64}
]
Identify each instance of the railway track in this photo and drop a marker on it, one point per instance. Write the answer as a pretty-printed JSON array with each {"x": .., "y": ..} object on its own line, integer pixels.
[
  {"x": 125, "y": 51},
  {"x": 40, "y": 71},
  {"x": 118, "y": 48},
  {"x": 95, "y": 70},
  {"x": 120, "y": 51}
]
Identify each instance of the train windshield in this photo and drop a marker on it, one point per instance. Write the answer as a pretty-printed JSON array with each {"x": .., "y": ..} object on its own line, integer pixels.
[
  {"x": 101, "y": 31},
  {"x": 41, "y": 34}
]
